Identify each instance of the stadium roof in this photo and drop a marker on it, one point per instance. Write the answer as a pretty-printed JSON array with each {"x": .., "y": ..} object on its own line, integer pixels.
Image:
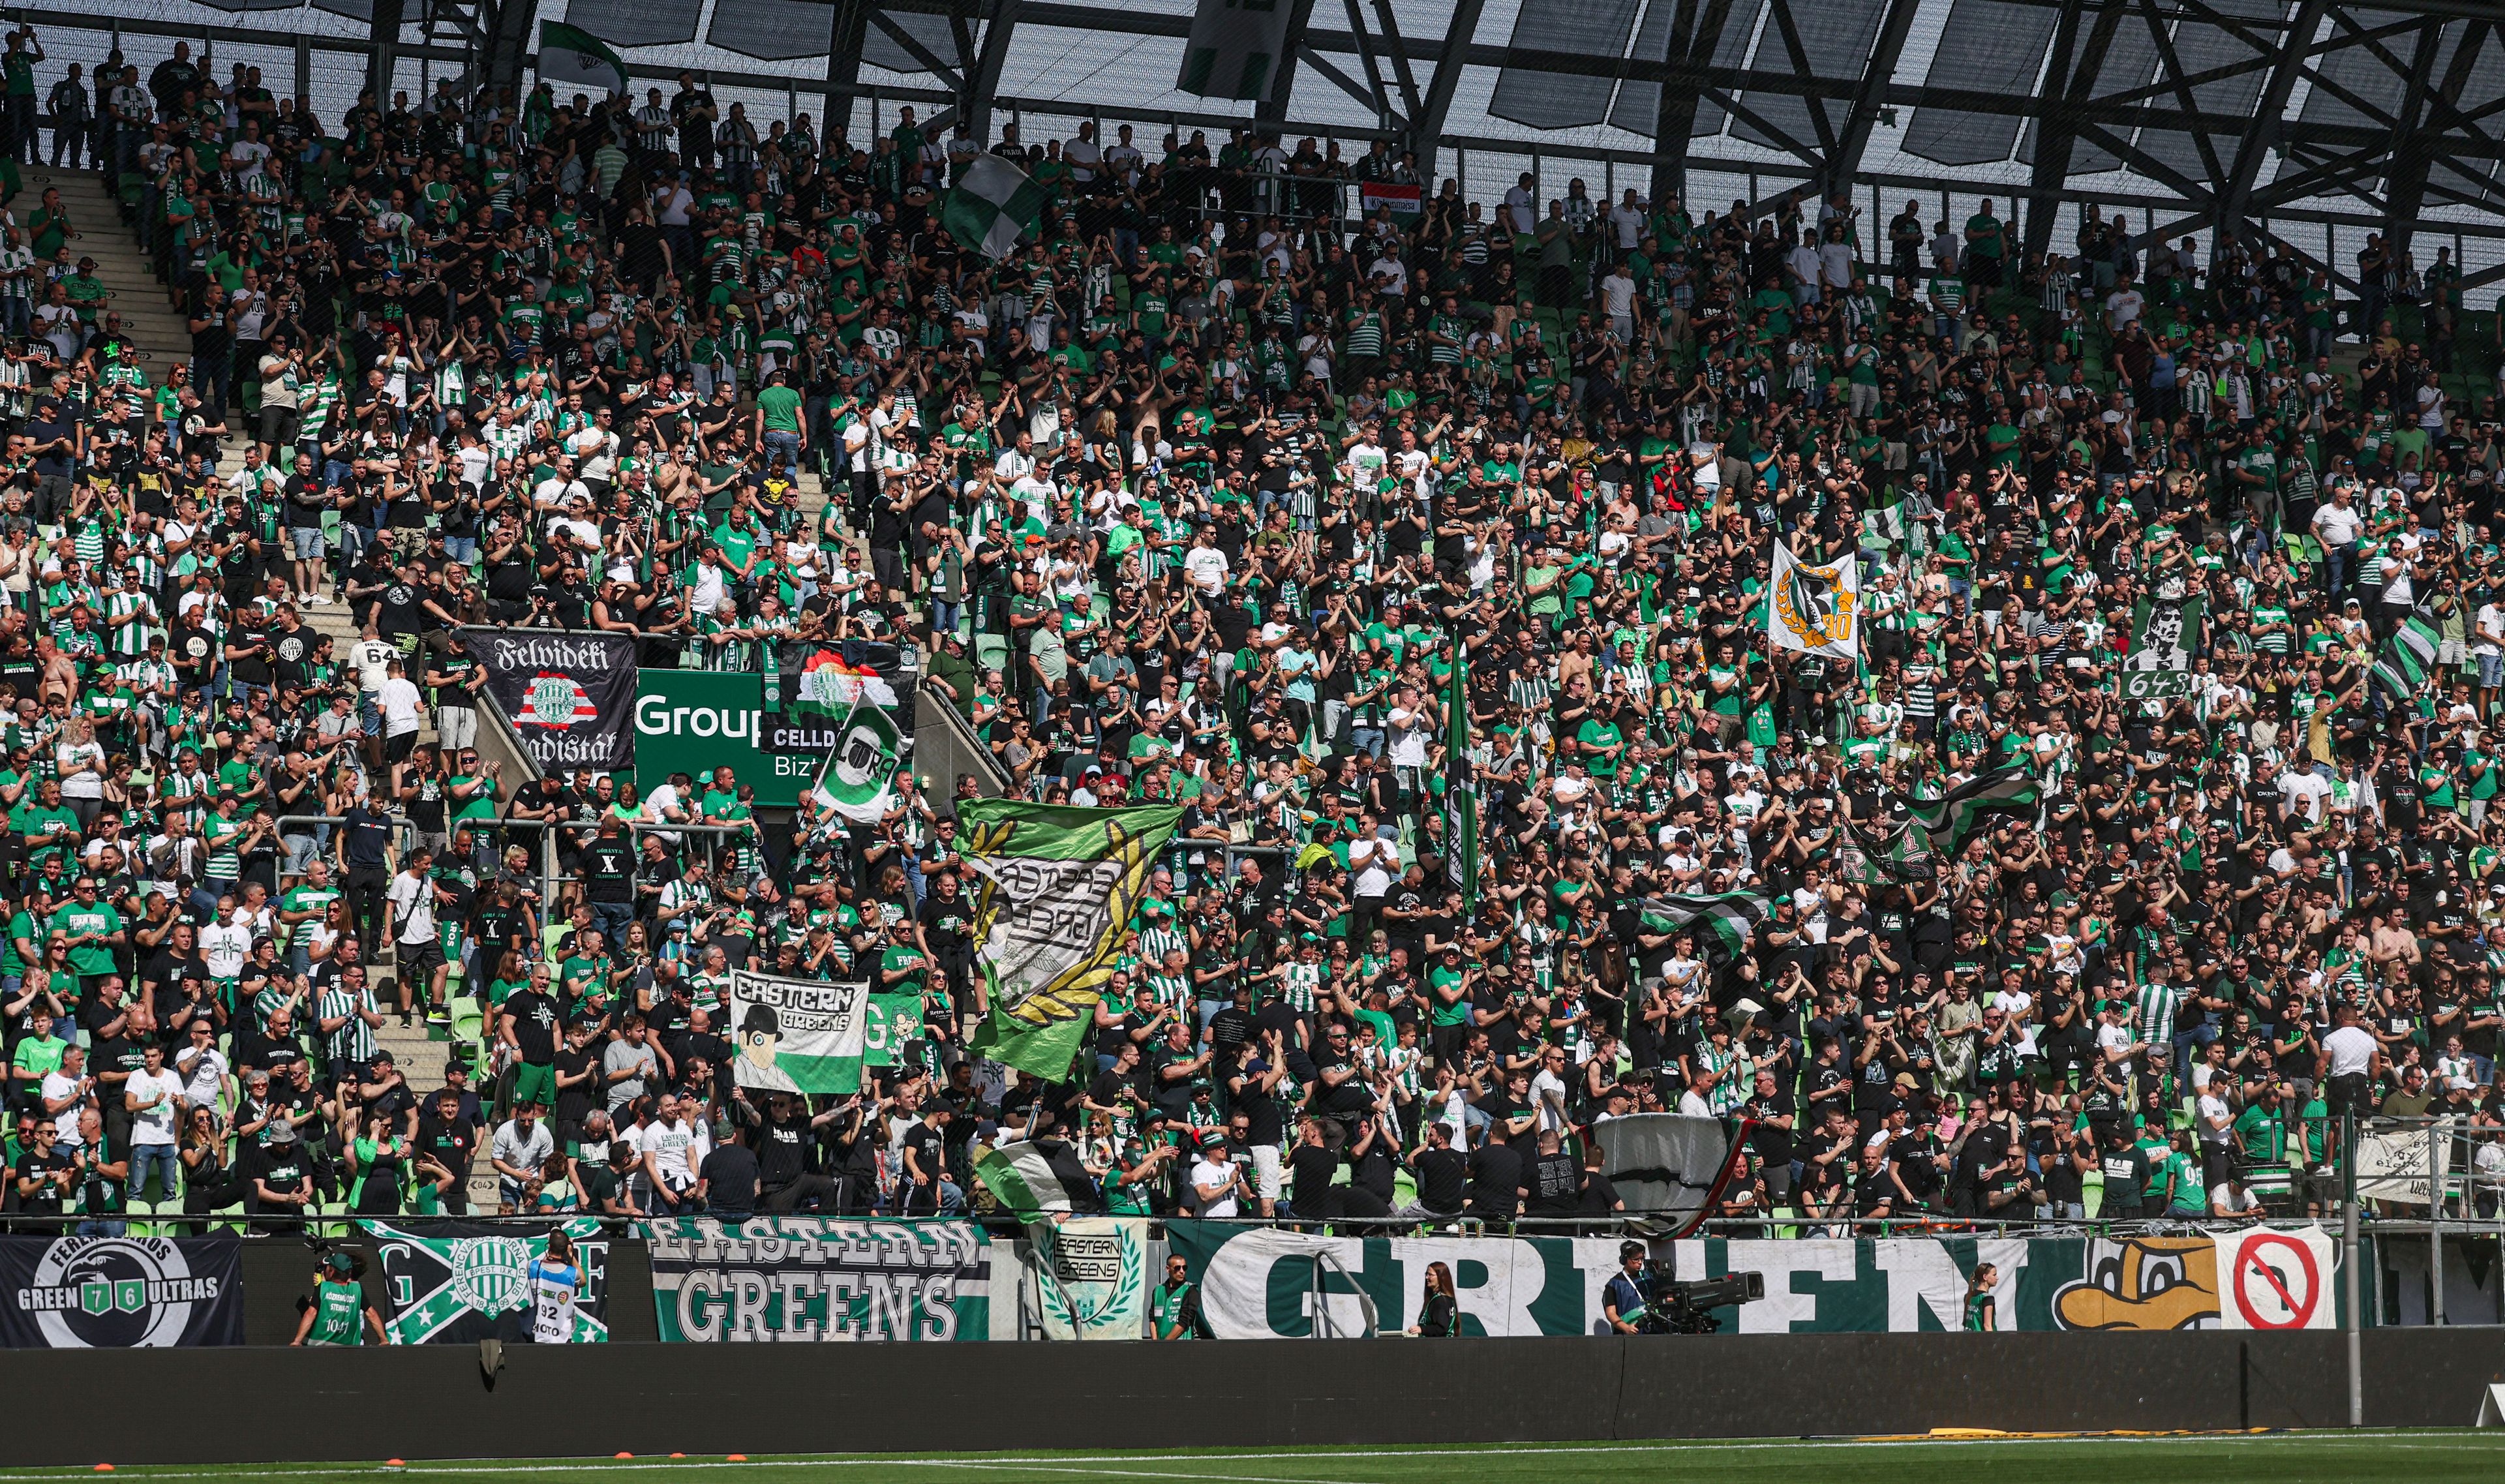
[{"x": 2303, "y": 114}]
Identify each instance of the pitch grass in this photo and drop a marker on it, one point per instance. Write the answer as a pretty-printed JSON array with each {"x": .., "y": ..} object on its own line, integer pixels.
[{"x": 2276, "y": 1458}]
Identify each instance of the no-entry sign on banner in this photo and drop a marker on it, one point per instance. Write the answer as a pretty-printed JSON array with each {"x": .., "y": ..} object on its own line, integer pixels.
[
  {"x": 570, "y": 696},
  {"x": 2276, "y": 1280}
]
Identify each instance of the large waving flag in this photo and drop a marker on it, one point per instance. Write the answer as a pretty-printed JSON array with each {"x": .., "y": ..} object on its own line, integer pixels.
[
  {"x": 1059, "y": 887},
  {"x": 1729, "y": 916},
  {"x": 1460, "y": 785},
  {"x": 1816, "y": 609},
  {"x": 570, "y": 56},
  {"x": 991, "y": 206},
  {"x": 2405, "y": 661},
  {"x": 1956, "y": 814}
]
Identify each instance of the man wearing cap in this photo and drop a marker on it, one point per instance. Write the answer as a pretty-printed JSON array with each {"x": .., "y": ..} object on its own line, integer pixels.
[{"x": 338, "y": 1314}]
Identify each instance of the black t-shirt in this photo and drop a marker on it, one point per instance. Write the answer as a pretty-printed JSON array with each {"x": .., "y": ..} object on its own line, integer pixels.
[
  {"x": 574, "y": 1101},
  {"x": 609, "y": 869},
  {"x": 47, "y": 1200},
  {"x": 1310, "y": 1169},
  {"x": 730, "y": 1175},
  {"x": 783, "y": 1153},
  {"x": 535, "y": 1018},
  {"x": 926, "y": 1150},
  {"x": 1495, "y": 1178},
  {"x": 1773, "y": 1145},
  {"x": 1443, "y": 1174},
  {"x": 1556, "y": 1185}
]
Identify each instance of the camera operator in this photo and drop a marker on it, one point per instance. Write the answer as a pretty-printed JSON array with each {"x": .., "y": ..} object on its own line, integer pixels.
[{"x": 1626, "y": 1300}]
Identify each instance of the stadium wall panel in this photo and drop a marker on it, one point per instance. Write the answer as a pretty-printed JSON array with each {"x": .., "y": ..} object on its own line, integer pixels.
[{"x": 275, "y": 1404}]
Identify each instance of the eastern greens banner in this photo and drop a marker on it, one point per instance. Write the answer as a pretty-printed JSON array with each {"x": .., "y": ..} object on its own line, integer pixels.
[
  {"x": 1059, "y": 885},
  {"x": 1092, "y": 1277},
  {"x": 117, "y": 1293},
  {"x": 1257, "y": 1284},
  {"x": 798, "y": 1035},
  {"x": 452, "y": 1283},
  {"x": 804, "y": 1278}
]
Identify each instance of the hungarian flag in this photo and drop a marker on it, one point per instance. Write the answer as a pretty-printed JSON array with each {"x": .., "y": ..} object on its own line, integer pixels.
[
  {"x": 571, "y": 56},
  {"x": 1956, "y": 814},
  {"x": 1460, "y": 785},
  {"x": 1031, "y": 1176},
  {"x": 991, "y": 206},
  {"x": 1383, "y": 195},
  {"x": 826, "y": 685},
  {"x": 1728, "y": 915},
  {"x": 2406, "y": 660}
]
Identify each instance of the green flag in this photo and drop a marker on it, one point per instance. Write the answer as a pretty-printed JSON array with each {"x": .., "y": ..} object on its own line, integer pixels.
[
  {"x": 1460, "y": 785},
  {"x": 451, "y": 1282},
  {"x": 991, "y": 206},
  {"x": 1727, "y": 915},
  {"x": 1956, "y": 814},
  {"x": 2406, "y": 660},
  {"x": 570, "y": 56},
  {"x": 858, "y": 779},
  {"x": 1059, "y": 887},
  {"x": 1031, "y": 1177},
  {"x": 1884, "y": 854},
  {"x": 894, "y": 1033}
]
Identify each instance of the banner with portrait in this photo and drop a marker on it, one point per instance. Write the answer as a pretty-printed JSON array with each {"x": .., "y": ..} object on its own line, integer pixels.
[{"x": 798, "y": 1035}]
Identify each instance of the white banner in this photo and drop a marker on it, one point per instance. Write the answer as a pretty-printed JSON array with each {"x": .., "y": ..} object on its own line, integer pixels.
[
  {"x": 1092, "y": 1277},
  {"x": 1815, "y": 610},
  {"x": 2272, "y": 1279}
]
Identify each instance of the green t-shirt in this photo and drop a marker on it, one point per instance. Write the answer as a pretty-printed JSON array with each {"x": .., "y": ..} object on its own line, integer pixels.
[
  {"x": 76, "y": 919},
  {"x": 781, "y": 406}
]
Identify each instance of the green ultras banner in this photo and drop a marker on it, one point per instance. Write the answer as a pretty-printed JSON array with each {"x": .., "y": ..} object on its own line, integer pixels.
[
  {"x": 1257, "y": 1284},
  {"x": 808, "y": 1278},
  {"x": 1059, "y": 885}
]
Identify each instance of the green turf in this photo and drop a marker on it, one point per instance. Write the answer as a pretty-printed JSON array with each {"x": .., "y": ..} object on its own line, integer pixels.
[{"x": 2283, "y": 1458}]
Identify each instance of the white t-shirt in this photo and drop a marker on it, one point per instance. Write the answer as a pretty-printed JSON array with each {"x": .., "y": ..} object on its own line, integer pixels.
[
  {"x": 1207, "y": 568},
  {"x": 2351, "y": 1050},
  {"x": 2336, "y": 527},
  {"x": 225, "y": 945},
  {"x": 60, "y": 1084},
  {"x": 154, "y": 1124},
  {"x": 1205, "y": 1172},
  {"x": 412, "y": 908},
  {"x": 403, "y": 709},
  {"x": 1408, "y": 737},
  {"x": 208, "y": 1079}
]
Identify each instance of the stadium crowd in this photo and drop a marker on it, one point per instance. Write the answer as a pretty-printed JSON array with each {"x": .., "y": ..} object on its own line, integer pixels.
[{"x": 1203, "y": 494}]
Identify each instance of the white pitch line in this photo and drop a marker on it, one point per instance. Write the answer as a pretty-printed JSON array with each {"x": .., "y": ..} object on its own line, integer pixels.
[
  {"x": 2380, "y": 1438},
  {"x": 1111, "y": 1471}
]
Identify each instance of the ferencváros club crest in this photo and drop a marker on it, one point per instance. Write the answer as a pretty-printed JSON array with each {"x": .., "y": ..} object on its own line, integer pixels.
[
  {"x": 488, "y": 1273},
  {"x": 115, "y": 1293},
  {"x": 555, "y": 701}
]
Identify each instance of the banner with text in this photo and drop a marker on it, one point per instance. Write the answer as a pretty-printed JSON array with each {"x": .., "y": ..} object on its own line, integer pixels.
[
  {"x": 1259, "y": 1284},
  {"x": 568, "y": 696},
  {"x": 119, "y": 1293},
  {"x": 798, "y": 1035},
  {"x": 1092, "y": 1277},
  {"x": 452, "y": 1283},
  {"x": 802, "y": 1278}
]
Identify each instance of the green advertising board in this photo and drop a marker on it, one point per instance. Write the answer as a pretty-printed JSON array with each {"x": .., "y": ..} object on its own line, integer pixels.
[{"x": 694, "y": 720}]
